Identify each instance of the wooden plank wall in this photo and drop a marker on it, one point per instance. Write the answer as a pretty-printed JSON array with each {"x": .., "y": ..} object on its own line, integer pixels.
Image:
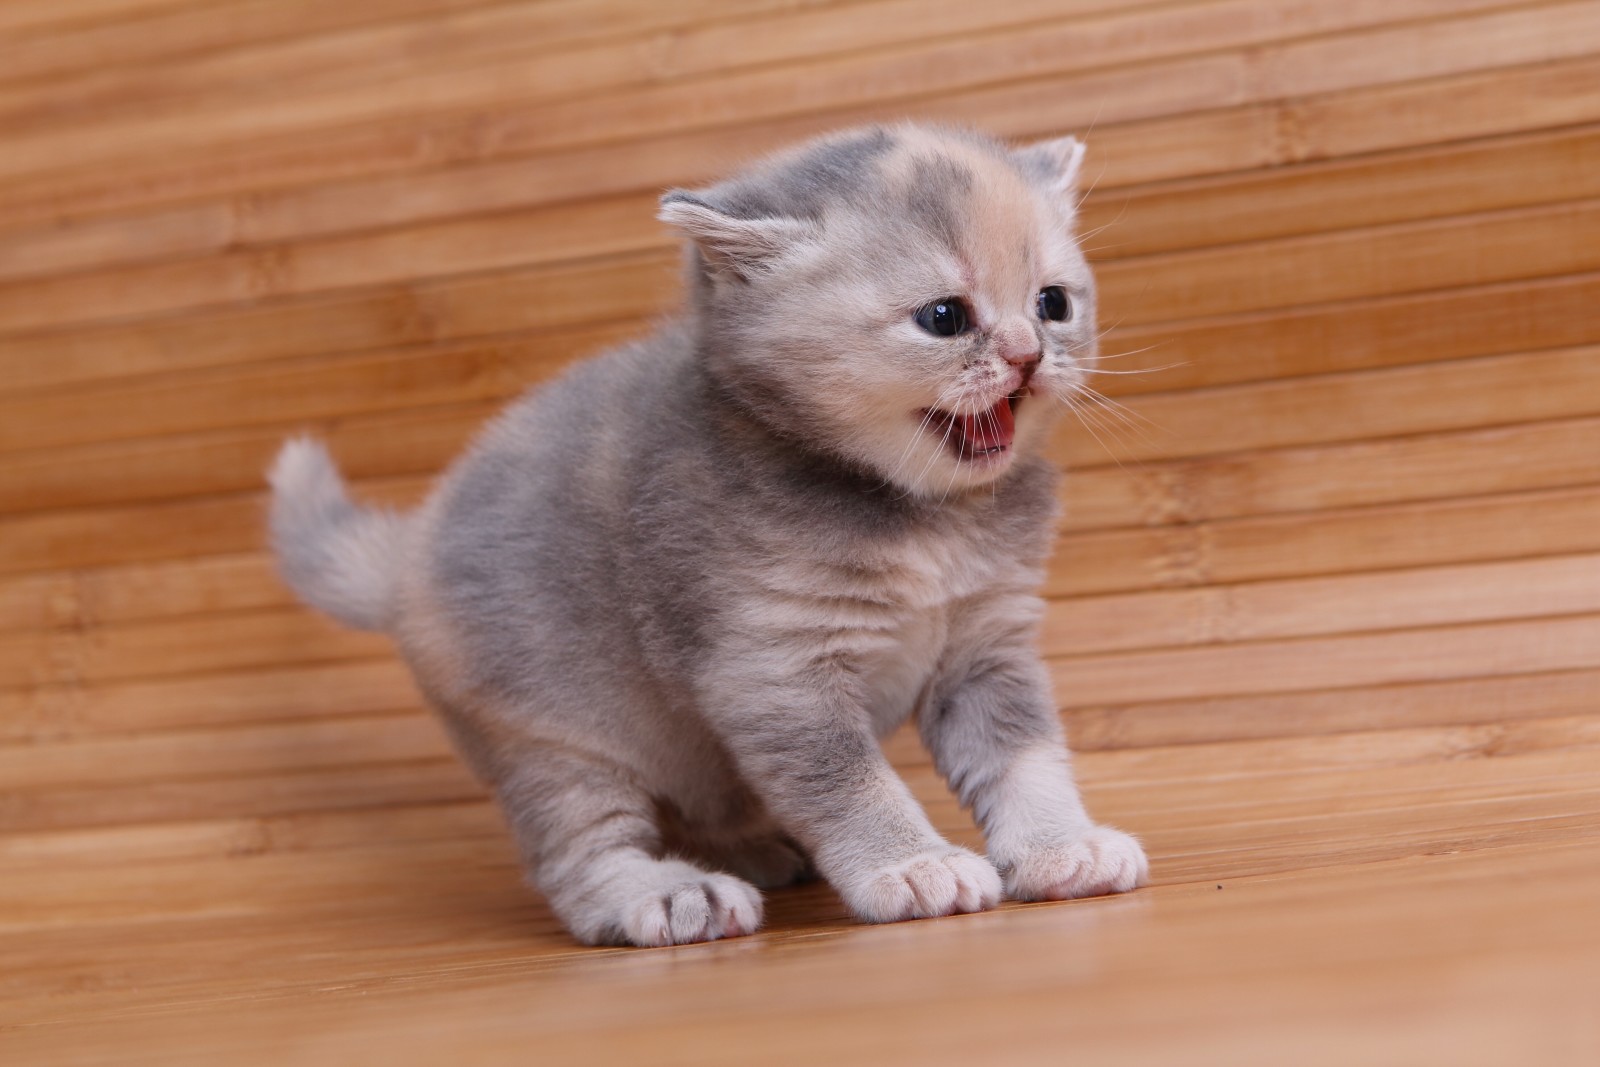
[{"x": 1349, "y": 520}]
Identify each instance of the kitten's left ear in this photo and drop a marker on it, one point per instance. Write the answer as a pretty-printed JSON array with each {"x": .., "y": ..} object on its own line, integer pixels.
[
  {"x": 745, "y": 247},
  {"x": 1055, "y": 163}
]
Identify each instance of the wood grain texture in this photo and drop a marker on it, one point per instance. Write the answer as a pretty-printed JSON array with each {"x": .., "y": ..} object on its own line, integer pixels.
[{"x": 1324, "y": 617}]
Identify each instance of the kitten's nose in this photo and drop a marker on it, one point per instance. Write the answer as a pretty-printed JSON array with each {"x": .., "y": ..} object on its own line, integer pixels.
[
  {"x": 1024, "y": 357},
  {"x": 1019, "y": 347}
]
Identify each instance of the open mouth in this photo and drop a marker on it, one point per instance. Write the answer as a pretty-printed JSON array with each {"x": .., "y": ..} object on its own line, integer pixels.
[{"x": 980, "y": 435}]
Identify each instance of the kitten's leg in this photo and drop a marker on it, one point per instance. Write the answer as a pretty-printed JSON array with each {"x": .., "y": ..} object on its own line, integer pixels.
[
  {"x": 808, "y": 749},
  {"x": 995, "y": 736},
  {"x": 768, "y": 861},
  {"x": 590, "y": 840},
  {"x": 730, "y": 830}
]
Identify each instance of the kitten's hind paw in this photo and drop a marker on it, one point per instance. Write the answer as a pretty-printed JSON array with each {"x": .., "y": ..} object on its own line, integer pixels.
[
  {"x": 705, "y": 908},
  {"x": 1102, "y": 861},
  {"x": 941, "y": 881},
  {"x": 770, "y": 863}
]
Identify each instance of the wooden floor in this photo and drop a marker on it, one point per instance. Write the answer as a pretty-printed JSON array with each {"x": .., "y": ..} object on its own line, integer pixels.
[{"x": 1325, "y": 617}]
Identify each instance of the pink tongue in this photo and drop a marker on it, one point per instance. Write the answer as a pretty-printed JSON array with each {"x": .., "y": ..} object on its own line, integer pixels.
[{"x": 989, "y": 429}]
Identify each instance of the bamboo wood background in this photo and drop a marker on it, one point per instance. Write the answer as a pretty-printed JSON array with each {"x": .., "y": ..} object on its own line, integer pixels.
[{"x": 1324, "y": 618}]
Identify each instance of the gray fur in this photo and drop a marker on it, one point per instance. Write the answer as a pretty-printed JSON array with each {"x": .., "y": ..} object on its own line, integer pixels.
[
  {"x": 336, "y": 556},
  {"x": 668, "y": 604},
  {"x": 937, "y": 195},
  {"x": 803, "y": 183}
]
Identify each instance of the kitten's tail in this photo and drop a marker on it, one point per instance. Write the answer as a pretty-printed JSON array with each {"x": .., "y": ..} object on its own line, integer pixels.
[{"x": 340, "y": 558}]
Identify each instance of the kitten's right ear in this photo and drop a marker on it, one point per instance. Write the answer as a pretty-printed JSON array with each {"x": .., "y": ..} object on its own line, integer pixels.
[
  {"x": 1056, "y": 163},
  {"x": 746, "y": 247}
]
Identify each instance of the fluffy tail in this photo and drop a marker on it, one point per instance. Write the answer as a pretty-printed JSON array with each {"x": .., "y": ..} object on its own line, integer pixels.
[{"x": 340, "y": 558}]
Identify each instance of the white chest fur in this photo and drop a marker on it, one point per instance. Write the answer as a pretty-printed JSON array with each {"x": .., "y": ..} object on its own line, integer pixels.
[
  {"x": 890, "y": 610},
  {"x": 899, "y": 674},
  {"x": 933, "y": 577}
]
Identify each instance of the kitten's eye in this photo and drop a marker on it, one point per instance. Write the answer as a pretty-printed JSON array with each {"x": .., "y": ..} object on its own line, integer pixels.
[
  {"x": 943, "y": 318},
  {"x": 1054, "y": 304}
]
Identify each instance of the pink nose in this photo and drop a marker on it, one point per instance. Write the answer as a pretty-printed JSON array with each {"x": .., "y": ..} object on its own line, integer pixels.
[{"x": 1018, "y": 345}]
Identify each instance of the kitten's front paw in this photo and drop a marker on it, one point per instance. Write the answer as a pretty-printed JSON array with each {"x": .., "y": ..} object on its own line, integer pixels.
[
  {"x": 1102, "y": 861},
  {"x": 941, "y": 881},
  {"x": 709, "y": 907}
]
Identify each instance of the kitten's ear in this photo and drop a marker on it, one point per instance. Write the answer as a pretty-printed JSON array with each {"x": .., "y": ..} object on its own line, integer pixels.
[
  {"x": 1054, "y": 163},
  {"x": 746, "y": 247}
]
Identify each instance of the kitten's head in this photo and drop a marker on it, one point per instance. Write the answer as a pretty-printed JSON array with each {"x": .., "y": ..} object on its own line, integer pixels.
[{"x": 912, "y": 300}]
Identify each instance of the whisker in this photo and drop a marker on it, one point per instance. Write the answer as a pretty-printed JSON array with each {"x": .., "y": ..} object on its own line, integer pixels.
[
  {"x": 950, "y": 479},
  {"x": 1101, "y": 335},
  {"x": 905, "y": 453},
  {"x": 1128, "y": 437},
  {"x": 1077, "y": 412},
  {"x": 1131, "y": 352},
  {"x": 1120, "y": 412},
  {"x": 1123, "y": 210},
  {"x": 991, "y": 427},
  {"x": 1101, "y": 407},
  {"x": 911, "y": 444},
  {"x": 1084, "y": 198},
  {"x": 1141, "y": 370},
  {"x": 1117, "y": 405},
  {"x": 1098, "y": 110},
  {"x": 943, "y": 441},
  {"x": 1101, "y": 248},
  {"x": 1127, "y": 416}
]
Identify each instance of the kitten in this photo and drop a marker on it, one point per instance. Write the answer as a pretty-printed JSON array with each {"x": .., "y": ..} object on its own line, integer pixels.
[{"x": 668, "y": 604}]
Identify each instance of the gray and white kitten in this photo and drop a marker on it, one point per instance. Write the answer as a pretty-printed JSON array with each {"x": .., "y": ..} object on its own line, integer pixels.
[{"x": 668, "y": 604}]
